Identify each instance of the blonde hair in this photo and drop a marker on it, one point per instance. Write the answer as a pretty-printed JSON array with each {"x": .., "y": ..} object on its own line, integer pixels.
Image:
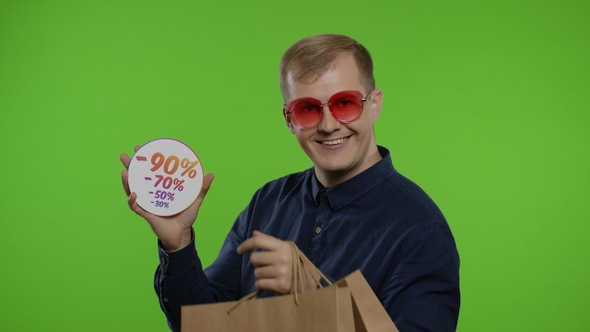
[{"x": 311, "y": 57}]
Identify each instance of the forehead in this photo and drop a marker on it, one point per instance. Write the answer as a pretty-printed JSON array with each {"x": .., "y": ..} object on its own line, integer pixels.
[{"x": 342, "y": 75}]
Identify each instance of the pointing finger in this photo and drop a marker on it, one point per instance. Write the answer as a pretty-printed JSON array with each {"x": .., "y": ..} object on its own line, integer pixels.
[{"x": 259, "y": 241}]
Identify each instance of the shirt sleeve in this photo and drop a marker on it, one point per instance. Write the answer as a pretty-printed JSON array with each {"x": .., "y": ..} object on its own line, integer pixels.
[
  {"x": 180, "y": 279},
  {"x": 422, "y": 293}
]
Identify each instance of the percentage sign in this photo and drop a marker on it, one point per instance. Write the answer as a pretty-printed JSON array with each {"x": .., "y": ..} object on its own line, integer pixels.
[
  {"x": 178, "y": 184},
  {"x": 188, "y": 167},
  {"x": 162, "y": 204},
  {"x": 170, "y": 196}
]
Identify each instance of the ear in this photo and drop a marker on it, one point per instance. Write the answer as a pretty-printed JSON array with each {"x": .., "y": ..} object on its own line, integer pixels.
[
  {"x": 288, "y": 121},
  {"x": 375, "y": 104}
]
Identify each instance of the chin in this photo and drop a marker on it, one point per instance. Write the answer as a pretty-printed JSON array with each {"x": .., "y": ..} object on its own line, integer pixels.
[{"x": 333, "y": 166}]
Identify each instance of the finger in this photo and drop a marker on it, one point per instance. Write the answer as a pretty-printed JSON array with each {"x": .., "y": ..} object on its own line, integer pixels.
[
  {"x": 264, "y": 258},
  {"x": 264, "y": 272},
  {"x": 272, "y": 272},
  {"x": 207, "y": 180},
  {"x": 132, "y": 202},
  {"x": 281, "y": 286},
  {"x": 259, "y": 241},
  {"x": 125, "y": 159},
  {"x": 125, "y": 180},
  {"x": 278, "y": 272}
]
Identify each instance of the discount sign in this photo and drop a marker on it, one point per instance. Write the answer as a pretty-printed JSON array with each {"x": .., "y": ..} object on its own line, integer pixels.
[{"x": 166, "y": 175}]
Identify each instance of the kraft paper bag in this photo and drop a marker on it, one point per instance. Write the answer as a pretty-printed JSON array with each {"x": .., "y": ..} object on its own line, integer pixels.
[
  {"x": 369, "y": 314},
  {"x": 324, "y": 310},
  {"x": 349, "y": 305}
]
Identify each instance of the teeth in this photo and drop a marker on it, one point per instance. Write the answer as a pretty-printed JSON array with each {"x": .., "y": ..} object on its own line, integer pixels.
[{"x": 334, "y": 142}]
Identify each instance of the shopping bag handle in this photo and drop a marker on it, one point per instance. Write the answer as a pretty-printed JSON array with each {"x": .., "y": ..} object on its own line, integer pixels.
[{"x": 301, "y": 264}]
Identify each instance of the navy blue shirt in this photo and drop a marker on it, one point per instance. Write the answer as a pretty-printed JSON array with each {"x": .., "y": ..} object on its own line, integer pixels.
[{"x": 379, "y": 222}]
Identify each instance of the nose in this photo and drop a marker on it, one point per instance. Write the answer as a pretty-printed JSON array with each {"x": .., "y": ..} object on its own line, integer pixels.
[{"x": 328, "y": 124}]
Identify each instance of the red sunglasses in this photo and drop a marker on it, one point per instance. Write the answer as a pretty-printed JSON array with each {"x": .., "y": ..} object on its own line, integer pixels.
[{"x": 345, "y": 107}]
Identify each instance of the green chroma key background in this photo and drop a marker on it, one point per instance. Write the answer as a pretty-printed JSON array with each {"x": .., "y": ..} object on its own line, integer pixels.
[{"x": 486, "y": 106}]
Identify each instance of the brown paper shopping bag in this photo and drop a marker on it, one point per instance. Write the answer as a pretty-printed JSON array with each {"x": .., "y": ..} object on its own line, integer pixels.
[
  {"x": 325, "y": 310},
  {"x": 369, "y": 314},
  {"x": 346, "y": 306}
]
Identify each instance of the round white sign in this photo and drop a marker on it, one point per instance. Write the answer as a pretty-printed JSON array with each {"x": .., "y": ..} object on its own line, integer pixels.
[{"x": 166, "y": 175}]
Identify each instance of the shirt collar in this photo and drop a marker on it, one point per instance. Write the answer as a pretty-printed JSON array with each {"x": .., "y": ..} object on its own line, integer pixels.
[{"x": 348, "y": 191}]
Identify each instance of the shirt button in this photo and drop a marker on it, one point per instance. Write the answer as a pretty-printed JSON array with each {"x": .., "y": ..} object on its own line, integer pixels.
[
  {"x": 165, "y": 299},
  {"x": 318, "y": 230}
]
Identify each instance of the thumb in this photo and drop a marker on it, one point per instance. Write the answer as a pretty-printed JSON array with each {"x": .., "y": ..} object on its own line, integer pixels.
[
  {"x": 207, "y": 180},
  {"x": 259, "y": 234}
]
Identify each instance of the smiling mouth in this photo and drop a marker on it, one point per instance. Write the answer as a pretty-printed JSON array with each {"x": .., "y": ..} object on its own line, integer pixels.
[{"x": 335, "y": 141}]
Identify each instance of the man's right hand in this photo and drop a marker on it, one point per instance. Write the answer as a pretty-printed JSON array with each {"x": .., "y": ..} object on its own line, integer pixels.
[{"x": 174, "y": 231}]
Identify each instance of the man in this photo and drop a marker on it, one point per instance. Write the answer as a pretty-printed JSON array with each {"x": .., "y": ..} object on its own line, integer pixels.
[{"x": 351, "y": 210}]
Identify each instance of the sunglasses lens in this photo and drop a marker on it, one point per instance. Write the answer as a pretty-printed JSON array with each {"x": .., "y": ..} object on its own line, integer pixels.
[
  {"x": 346, "y": 106},
  {"x": 306, "y": 112}
]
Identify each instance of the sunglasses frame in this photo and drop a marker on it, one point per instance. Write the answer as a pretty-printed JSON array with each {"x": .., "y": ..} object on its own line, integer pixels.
[{"x": 287, "y": 111}]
